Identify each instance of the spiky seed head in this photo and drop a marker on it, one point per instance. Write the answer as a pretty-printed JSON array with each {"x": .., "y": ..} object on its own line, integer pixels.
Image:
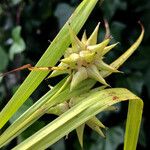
[{"x": 85, "y": 58}]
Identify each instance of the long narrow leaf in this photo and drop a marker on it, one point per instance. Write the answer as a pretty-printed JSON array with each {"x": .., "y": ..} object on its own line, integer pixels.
[
  {"x": 133, "y": 124},
  {"x": 82, "y": 112}
]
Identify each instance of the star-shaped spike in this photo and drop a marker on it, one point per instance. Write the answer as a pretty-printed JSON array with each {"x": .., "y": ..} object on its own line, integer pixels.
[{"x": 88, "y": 54}]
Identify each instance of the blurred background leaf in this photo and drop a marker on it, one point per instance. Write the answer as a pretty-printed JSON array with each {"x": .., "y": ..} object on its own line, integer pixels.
[
  {"x": 3, "y": 59},
  {"x": 18, "y": 44},
  {"x": 64, "y": 10}
]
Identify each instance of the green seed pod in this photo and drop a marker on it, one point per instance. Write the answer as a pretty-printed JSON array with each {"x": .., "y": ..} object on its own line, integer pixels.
[
  {"x": 78, "y": 77},
  {"x": 103, "y": 66},
  {"x": 94, "y": 73},
  {"x": 71, "y": 60},
  {"x": 87, "y": 56}
]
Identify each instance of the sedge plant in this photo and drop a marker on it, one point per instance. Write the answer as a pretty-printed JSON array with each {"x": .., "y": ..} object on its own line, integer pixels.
[{"x": 73, "y": 100}]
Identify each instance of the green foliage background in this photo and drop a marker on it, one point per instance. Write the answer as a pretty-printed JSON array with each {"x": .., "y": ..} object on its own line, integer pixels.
[{"x": 36, "y": 23}]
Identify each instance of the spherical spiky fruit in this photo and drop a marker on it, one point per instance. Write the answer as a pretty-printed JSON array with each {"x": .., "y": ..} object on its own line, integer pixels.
[{"x": 84, "y": 59}]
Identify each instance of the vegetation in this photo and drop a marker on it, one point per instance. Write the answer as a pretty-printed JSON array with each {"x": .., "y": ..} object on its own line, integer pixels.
[{"x": 82, "y": 107}]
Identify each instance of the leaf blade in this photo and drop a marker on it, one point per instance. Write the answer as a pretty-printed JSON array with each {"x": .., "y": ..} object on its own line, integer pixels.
[
  {"x": 79, "y": 114},
  {"x": 132, "y": 120}
]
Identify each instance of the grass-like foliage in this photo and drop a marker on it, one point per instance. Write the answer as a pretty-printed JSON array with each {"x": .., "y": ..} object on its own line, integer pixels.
[{"x": 76, "y": 103}]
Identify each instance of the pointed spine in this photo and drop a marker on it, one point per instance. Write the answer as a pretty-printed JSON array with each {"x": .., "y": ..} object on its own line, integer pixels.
[
  {"x": 93, "y": 72},
  {"x": 80, "y": 131},
  {"x": 99, "y": 47},
  {"x": 84, "y": 38},
  {"x": 108, "y": 48},
  {"x": 92, "y": 40},
  {"x": 97, "y": 122},
  {"x": 76, "y": 43},
  {"x": 103, "y": 66},
  {"x": 95, "y": 128}
]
